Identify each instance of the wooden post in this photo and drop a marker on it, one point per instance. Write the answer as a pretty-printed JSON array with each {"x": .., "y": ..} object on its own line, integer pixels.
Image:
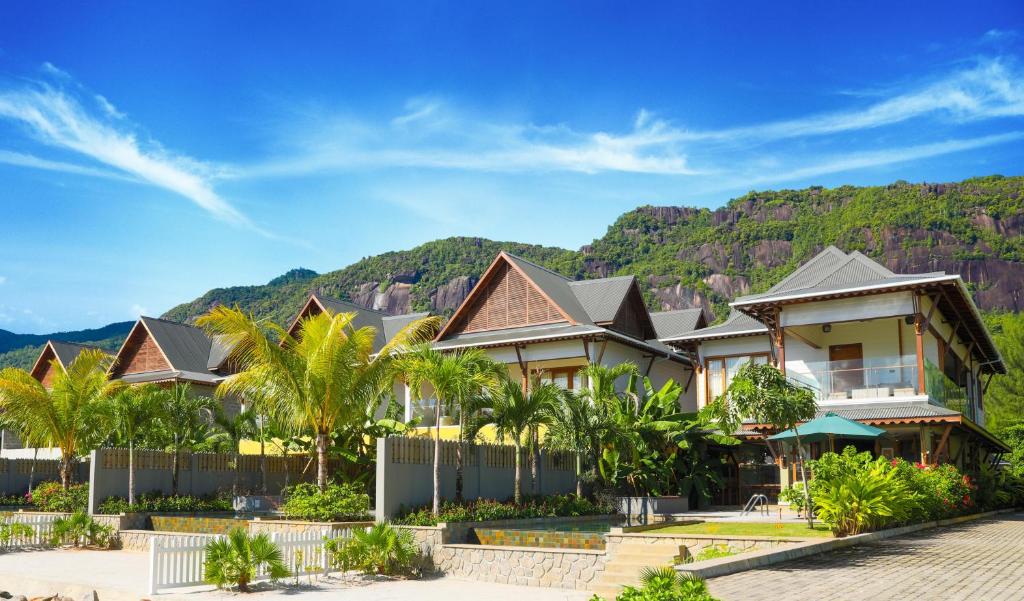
[
  {"x": 942, "y": 443},
  {"x": 780, "y": 344},
  {"x": 919, "y": 339}
]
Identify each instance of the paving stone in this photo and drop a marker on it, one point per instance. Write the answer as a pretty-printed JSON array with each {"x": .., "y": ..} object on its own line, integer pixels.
[{"x": 976, "y": 560}]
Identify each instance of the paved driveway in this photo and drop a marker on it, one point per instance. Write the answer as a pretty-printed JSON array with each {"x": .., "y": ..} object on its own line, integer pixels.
[{"x": 981, "y": 561}]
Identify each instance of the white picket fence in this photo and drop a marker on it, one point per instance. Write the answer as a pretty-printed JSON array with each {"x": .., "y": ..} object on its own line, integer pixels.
[
  {"x": 177, "y": 561},
  {"x": 41, "y": 524}
]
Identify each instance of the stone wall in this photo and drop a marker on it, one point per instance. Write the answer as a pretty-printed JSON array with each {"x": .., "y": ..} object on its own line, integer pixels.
[
  {"x": 270, "y": 526},
  {"x": 558, "y": 568},
  {"x": 196, "y": 524},
  {"x": 695, "y": 543}
]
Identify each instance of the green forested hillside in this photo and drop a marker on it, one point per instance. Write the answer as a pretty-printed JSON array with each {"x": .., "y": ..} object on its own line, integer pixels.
[
  {"x": 699, "y": 257},
  {"x": 26, "y": 356}
]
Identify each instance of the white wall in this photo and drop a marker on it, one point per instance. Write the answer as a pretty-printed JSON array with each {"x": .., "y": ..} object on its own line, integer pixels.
[{"x": 847, "y": 309}]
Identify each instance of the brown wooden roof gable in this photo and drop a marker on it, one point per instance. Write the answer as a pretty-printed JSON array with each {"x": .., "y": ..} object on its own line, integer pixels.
[
  {"x": 139, "y": 353},
  {"x": 505, "y": 297}
]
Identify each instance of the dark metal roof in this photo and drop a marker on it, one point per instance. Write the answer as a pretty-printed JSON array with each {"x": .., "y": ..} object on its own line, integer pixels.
[
  {"x": 68, "y": 351},
  {"x": 167, "y": 375},
  {"x": 670, "y": 324},
  {"x": 888, "y": 411},
  {"x": 219, "y": 352},
  {"x": 602, "y": 298},
  {"x": 187, "y": 347},
  {"x": 364, "y": 317},
  {"x": 393, "y": 324},
  {"x": 738, "y": 324}
]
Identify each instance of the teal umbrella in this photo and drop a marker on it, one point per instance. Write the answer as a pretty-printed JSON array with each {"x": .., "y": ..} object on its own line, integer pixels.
[{"x": 829, "y": 427}]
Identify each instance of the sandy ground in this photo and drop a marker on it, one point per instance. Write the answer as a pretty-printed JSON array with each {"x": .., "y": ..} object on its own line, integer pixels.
[{"x": 123, "y": 576}]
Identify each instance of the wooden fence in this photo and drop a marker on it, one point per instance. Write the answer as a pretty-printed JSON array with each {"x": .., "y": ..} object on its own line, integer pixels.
[
  {"x": 177, "y": 561},
  {"x": 41, "y": 524}
]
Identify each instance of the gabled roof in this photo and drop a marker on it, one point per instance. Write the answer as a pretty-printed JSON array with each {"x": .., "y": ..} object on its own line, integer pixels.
[
  {"x": 833, "y": 271},
  {"x": 738, "y": 324},
  {"x": 554, "y": 285},
  {"x": 672, "y": 324},
  {"x": 601, "y": 299},
  {"x": 187, "y": 348},
  {"x": 64, "y": 352},
  {"x": 834, "y": 274},
  {"x": 385, "y": 324}
]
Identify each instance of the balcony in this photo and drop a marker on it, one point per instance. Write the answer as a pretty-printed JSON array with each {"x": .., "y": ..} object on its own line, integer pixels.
[{"x": 860, "y": 380}]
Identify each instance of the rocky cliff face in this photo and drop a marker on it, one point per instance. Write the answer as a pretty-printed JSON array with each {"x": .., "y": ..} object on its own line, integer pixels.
[{"x": 688, "y": 257}]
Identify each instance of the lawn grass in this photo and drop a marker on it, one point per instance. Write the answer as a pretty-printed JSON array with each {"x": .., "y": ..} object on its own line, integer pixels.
[{"x": 748, "y": 529}]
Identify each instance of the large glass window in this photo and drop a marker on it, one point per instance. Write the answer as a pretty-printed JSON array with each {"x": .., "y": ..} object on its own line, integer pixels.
[
  {"x": 566, "y": 378},
  {"x": 721, "y": 371}
]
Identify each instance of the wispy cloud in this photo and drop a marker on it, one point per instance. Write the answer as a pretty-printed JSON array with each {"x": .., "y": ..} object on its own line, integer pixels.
[
  {"x": 27, "y": 160},
  {"x": 54, "y": 114},
  {"x": 432, "y": 134}
]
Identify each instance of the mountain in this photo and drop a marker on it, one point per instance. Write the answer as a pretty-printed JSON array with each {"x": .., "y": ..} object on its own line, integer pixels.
[
  {"x": 22, "y": 350},
  {"x": 688, "y": 257},
  {"x": 685, "y": 256},
  {"x": 10, "y": 340}
]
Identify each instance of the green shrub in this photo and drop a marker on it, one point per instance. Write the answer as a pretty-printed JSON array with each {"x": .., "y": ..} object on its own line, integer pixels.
[
  {"x": 157, "y": 503},
  {"x": 235, "y": 560},
  {"x": 866, "y": 500},
  {"x": 81, "y": 530},
  {"x": 665, "y": 584},
  {"x": 50, "y": 496},
  {"x": 380, "y": 549},
  {"x": 14, "y": 531},
  {"x": 337, "y": 503},
  {"x": 486, "y": 510},
  {"x": 15, "y": 500}
]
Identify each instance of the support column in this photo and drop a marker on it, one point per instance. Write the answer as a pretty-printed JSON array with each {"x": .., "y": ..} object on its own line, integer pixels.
[
  {"x": 780, "y": 344},
  {"x": 919, "y": 340}
]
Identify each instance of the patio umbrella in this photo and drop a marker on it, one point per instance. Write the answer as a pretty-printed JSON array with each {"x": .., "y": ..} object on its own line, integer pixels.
[{"x": 829, "y": 427}]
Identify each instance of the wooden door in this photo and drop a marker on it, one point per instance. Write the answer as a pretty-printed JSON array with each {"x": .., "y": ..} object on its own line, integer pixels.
[{"x": 847, "y": 364}]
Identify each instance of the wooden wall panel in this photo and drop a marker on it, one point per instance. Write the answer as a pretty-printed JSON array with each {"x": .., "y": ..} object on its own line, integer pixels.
[
  {"x": 509, "y": 300},
  {"x": 141, "y": 354}
]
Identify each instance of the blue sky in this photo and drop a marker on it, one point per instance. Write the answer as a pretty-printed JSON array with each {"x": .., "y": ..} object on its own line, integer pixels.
[{"x": 151, "y": 151}]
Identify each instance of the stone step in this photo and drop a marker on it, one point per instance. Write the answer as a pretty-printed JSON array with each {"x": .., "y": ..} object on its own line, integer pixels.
[{"x": 645, "y": 558}]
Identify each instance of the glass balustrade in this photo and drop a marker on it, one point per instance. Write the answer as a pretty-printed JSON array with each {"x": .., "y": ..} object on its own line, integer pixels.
[{"x": 857, "y": 379}]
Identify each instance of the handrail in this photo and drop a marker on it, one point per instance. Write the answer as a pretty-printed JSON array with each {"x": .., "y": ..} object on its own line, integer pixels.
[{"x": 756, "y": 500}]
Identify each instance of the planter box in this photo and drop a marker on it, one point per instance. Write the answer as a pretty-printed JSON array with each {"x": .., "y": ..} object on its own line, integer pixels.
[{"x": 643, "y": 508}]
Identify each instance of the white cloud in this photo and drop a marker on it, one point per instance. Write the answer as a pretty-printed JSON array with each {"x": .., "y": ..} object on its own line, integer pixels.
[
  {"x": 138, "y": 310},
  {"x": 432, "y": 134},
  {"x": 27, "y": 160},
  {"x": 53, "y": 115}
]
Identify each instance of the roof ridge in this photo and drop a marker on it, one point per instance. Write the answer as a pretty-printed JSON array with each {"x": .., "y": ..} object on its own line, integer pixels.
[
  {"x": 541, "y": 267},
  {"x": 596, "y": 280},
  {"x": 872, "y": 264},
  {"x": 57, "y": 340},
  {"x": 348, "y": 302},
  {"x": 829, "y": 250},
  {"x": 174, "y": 323},
  {"x": 676, "y": 311}
]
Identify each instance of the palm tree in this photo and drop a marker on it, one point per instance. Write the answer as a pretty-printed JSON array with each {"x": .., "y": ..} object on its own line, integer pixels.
[
  {"x": 233, "y": 430},
  {"x": 577, "y": 426},
  {"x": 455, "y": 377},
  {"x": 320, "y": 379},
  {"x": 131, "y": 411},
  {"x": 64, "y": 416},
  {"x": 514, "y": 412},
  {"x": 184, "y": 423}
]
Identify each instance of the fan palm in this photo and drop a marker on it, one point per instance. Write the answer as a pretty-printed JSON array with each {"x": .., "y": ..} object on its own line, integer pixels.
[
  {"x": 515, "y": 411},
  {"x": 322, "y": 378},
  {"x": 455, "y": 378},
  {"x": 64, "y": 416},
  {"x": 131, "y": 411},
  {"x": 237, "y": 559}
]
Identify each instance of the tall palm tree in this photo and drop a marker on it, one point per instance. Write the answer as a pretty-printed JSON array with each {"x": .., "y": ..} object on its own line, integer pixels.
[
  {"x": 515, "y": 412},
  {"x": 131, "y": 412},
  {"x": 64, "y": 416},
  {"x": 322, "y": 378},
  {"x": 184, "y": 423},
  {"x": 455, "y": 377}
]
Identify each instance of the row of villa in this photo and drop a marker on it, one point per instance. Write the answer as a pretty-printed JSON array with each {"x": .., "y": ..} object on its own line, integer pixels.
[{"x": 907, "y": 353}]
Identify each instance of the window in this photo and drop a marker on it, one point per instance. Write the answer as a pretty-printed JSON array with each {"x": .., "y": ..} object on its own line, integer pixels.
[
  {"x": 720, "y": 372},
  {"x": 566, "y": 378}
]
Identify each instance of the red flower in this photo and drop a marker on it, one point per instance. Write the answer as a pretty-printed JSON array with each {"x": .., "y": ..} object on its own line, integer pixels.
[{"x": 895, "y": 462}]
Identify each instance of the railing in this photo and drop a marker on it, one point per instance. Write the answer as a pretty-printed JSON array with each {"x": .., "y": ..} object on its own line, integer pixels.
[
  {"x": 178, "y": 561},
  {"x": 944, "y": 392},
  {"x": 870, "y": 378}
]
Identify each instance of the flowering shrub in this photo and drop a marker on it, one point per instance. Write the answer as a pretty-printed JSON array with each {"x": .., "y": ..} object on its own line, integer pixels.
[
  {"x": 50, "y": 496},
  {"x": 486, "y": 510},
  {"x": 15, "y": 500}
]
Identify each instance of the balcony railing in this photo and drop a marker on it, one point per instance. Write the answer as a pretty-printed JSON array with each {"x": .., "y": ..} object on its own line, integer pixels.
[
  {"x": 852, "y": 380},
  {"x": 944, "y": 392}
]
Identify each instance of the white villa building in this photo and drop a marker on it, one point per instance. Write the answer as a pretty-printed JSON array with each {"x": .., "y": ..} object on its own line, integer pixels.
[{"x": 906, "y": 353}]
